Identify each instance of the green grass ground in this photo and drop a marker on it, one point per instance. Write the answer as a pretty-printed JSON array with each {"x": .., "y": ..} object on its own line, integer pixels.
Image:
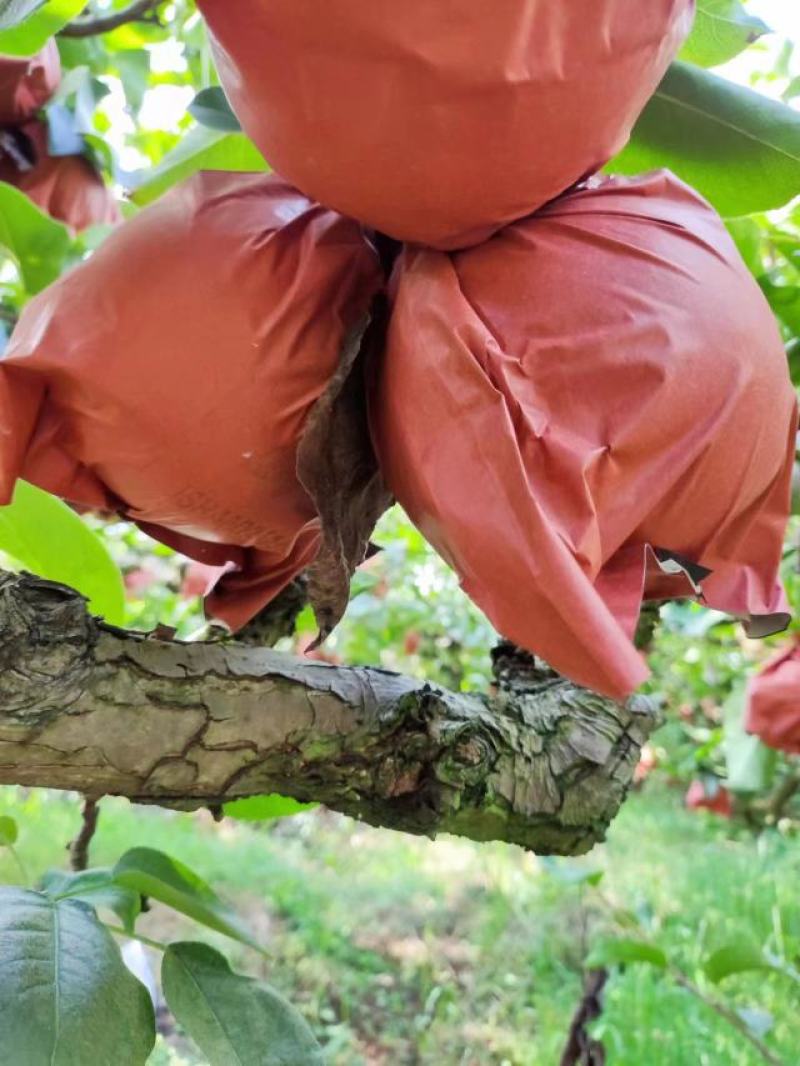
[{"x": 403, "y": 951}]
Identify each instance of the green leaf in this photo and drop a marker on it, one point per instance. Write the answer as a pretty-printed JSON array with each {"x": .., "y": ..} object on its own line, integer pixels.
[
  {"x": 568, "y": 873},
  {"x": 47, "y": 537},
  {"x": 8, "y": 832},
  {"x": 264, "y": 808},
  {"x": 66, "y": 997},
  {"x": 617, "y": 952},
  {"x": 27, "y": 25},
  {"x": 37, "y": 242},
  {"x": 784, "y": 301},
  {"x": 154, "y": 874},
  {"x": 97, "y": 888},
  {"x": 63, "y": 133},
  {"x": 738, "y": 148},
  {"x": 749, "y": 238},
  {"x": 211, "y": 108},
  {"x": 787, "y": 240},
  {"x": 751, "y": 764},
  {"x": 201, "y": 149},
  {"x": 70, "y": 112},
  {"x": 736, "y": 958},
  {"x": 233, "y": 1019},
  {"x": 722, "y": 29},
  {"x": 133, "y": 67},
  {"x": 793, "y": 358},
  {"x": 13, "y": 12}
]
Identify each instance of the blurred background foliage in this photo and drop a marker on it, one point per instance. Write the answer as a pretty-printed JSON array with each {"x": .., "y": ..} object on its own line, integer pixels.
[{"x": 406, "y": 951}]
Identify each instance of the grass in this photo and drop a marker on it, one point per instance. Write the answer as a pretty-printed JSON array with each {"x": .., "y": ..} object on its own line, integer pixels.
[{"x": 403, "y": 951}]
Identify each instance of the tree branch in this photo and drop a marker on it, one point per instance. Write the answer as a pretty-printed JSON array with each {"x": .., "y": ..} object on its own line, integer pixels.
[
  {"x": 79, "y": 848},
  {"x": 730, "y": 1015},
  {"x": 138, "y": 11},
  {"x": 84, "y": 706}
]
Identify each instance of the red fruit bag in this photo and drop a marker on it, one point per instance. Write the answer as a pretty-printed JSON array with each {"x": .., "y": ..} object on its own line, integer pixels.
[
  {"x": 773, "y": 702},
  {"x": 169, "y": 378},
  {"x": 438, "y": 121},
  {"x": 27, "y": 83},
  {"x": 591, "y": 408},
  {"x": 67, "y": 188},
  {"x": 714, "y": 798}
]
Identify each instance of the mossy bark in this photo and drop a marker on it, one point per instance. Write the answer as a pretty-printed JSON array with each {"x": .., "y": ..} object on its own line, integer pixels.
[{"x": 543, "y": 763}]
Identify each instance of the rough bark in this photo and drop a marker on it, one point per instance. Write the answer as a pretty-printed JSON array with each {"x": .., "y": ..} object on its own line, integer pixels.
[{"x": 543, "y": 763}]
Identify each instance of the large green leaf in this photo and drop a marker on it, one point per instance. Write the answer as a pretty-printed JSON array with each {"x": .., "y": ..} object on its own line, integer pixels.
[
  {"x": 66, "y": 997},
  {"x": 233, "y": 1019},
  {"x": 96, "y": 887},
  {"x": 37, "y": 242},
  {"x": 201, "y": 149},
  {"x": 265, "y": 808},
  {"x": 738, "y": 148},
  {"x": 159, "y": 876},
  {"x": 45, "y": 536},
  {"x": 622, "y": 951},
  {"x": 26, "y": 25},
  {"x": 722, "y": 29}
]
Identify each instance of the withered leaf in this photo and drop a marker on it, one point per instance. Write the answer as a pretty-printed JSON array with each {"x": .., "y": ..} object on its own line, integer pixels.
[{"x": 337, "y": 466}]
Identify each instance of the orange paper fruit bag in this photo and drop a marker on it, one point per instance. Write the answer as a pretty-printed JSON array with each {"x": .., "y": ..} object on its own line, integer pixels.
[
  {"x": 27, "y": 83},
  {"x": 168, "y": 379},
  {"x": 67, "y": 188},
  {"x": 773, "y": 702},
  {"x": 438, "y": 121},
  {"x": 591, "y": 408}
]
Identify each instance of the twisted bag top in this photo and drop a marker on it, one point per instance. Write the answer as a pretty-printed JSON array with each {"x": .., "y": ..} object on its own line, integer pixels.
[
  {"x": 26, "y": 84},
  {"x": 568, "y": 407},
  {"x": 438, "y": 121},
  {"x": 169, "y": 378},
  {"x": 67, "y": 188},
  {"x": 773, "y": 701}
]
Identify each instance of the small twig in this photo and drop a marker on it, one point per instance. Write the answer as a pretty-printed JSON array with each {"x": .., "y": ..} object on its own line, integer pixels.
[
  {"x": 138, "y": 11},
  {"x": 278, "y": 618},
  {"x": 79, "y": 848},
  {"x": 718, "y": 1007},
  {"x": 581, "y": 1049},
  {"x": 730, "y": 1016}
]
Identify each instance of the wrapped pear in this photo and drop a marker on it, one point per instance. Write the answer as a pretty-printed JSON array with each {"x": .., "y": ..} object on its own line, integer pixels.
[
  {"x": 170, "y": 377},
  {"x": 591, "y": 409},
  {"x": 440, "y": 122},
  {"x": 27, "y": 83},
  {"x": 773, "y": 701},
  {"x": 67, "y": 188}
]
